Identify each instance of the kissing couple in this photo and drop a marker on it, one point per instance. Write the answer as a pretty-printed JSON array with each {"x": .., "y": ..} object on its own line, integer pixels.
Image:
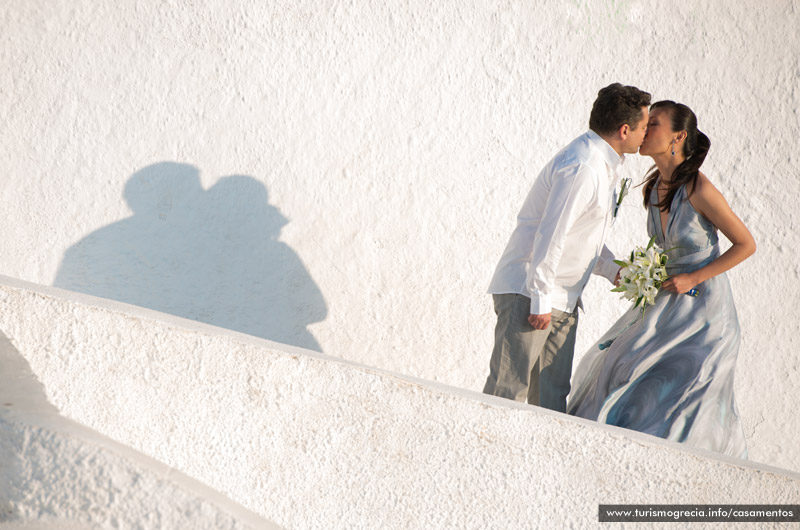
[{"x": 667, "y": 371}]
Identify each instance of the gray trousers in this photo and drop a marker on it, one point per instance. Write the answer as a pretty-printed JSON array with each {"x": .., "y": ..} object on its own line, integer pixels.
[{"x": 528, "y": 362}]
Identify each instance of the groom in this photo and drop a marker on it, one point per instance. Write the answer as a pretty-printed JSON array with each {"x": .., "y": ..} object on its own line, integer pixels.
[{"x": 557, "y": 244}]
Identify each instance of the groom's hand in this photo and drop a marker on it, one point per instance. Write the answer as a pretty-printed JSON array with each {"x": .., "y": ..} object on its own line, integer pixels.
[{"x": 539, "y": 321}]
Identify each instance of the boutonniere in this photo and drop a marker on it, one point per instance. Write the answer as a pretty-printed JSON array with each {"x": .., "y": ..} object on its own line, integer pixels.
[{"x": 623, "y": 191}]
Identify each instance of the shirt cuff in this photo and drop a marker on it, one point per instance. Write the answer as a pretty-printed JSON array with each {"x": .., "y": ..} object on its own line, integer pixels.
[
  {"x": 540, "y": 305},
  {"x": 607, "y": 269}
]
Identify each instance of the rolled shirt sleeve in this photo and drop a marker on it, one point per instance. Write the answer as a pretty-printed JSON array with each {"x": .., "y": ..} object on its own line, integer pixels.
[
  {"x": 605, "y": 265},
  {"x": 573, "y": 190}
]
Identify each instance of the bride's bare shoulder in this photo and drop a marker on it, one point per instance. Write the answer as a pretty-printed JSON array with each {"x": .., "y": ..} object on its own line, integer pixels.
[
  {"x": 705, "y": 197},
  {"x": 703, "y": 186}
]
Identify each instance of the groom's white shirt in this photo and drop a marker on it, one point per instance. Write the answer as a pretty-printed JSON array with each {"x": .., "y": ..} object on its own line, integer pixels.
[{"x": 560, "y": 236}]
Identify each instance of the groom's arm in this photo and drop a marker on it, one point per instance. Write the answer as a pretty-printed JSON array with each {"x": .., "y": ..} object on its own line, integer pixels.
[
  {"x": 605, "y": 266},
  {"x": 571, "y": 192}
]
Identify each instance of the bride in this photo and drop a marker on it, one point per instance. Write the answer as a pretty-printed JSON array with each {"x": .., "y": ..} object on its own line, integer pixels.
[{"x": 670, "y": 372}]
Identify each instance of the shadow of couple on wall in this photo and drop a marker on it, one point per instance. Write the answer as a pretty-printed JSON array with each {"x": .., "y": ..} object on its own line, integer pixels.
[{"x": 209, "y": 255}]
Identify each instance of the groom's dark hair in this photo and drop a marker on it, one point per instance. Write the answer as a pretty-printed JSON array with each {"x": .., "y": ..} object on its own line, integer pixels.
[{"x": 615, "y": 106}]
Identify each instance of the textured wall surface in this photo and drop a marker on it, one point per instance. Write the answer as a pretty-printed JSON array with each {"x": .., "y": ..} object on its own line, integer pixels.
[
  {"x": 312, "y": 442},
  {"x": 58, "y": 475},
  {"x": 343, "y": 176}
]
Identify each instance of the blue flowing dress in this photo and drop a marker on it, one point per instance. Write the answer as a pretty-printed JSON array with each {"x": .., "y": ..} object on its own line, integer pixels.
[{"x": 670, "y": 372}]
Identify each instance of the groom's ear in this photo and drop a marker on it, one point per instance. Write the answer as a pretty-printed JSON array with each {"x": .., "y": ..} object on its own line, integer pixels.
[{"x": 623, "y": 131}]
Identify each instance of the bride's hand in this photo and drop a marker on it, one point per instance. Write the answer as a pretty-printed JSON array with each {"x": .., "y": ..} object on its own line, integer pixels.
[{"x": 680, "y": 283}]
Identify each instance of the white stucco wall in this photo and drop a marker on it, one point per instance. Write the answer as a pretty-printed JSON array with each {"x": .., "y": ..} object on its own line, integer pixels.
[
  {"x": 56, "y": 474},
  {"x": 312, "y": 442},
  {"x": 348, "y": 173}
]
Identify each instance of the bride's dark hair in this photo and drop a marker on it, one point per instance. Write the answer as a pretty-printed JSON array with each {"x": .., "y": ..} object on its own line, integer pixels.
[{"x": 695, "y": 149}]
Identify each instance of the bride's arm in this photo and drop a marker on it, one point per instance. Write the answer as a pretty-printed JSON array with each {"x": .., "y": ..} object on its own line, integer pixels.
[{"x": 710, "y": 203}]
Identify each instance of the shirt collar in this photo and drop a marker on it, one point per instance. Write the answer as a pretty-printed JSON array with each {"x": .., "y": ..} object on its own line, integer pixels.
[{"x": 613, "y": 160}]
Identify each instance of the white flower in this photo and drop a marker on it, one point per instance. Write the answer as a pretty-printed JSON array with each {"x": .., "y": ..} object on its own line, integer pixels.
[
  {"x": 623, "y": 190},
  {"x": 641, "y": 277}
]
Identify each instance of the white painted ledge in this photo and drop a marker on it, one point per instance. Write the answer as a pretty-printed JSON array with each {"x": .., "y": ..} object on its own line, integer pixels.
[
  {"x": 58, "y": 474},
  {"x": 311, "y": 442}
]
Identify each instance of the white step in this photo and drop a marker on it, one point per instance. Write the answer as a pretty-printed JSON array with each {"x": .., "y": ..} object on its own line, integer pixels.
[{"x": 312, "y": 442}]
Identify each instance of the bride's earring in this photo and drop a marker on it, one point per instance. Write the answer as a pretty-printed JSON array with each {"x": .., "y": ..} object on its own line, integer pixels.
[{"x": 673, "y": 147}]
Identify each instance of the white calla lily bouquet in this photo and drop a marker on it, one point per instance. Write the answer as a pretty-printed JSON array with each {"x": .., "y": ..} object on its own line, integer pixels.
[{"x": 642, "y": 276}]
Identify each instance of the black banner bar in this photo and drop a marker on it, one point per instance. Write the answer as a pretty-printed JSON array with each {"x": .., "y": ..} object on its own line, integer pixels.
[{"x": 700, "y": 513}]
